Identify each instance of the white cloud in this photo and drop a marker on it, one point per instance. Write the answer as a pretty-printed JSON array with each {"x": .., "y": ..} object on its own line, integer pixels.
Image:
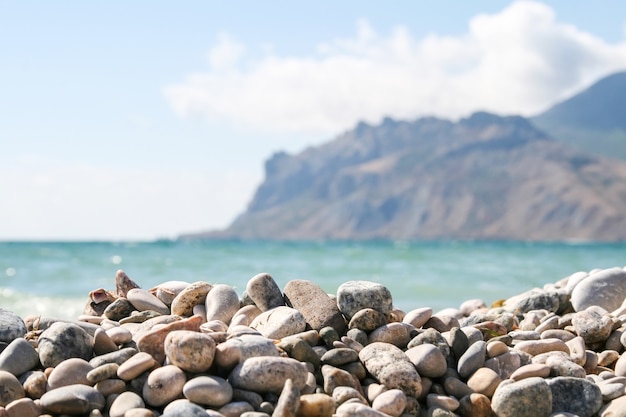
[
  {"x": 519, "y": 60},
  {"x": 80, "y": 201}
]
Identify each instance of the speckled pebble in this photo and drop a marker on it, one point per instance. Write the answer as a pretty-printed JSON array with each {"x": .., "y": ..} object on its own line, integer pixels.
[
  {"x": 194, "y": 294},
  {"x": 63, "y": 341},
  {"x": 265, "y": 292},
  {"x": 530, "y": 397},
  {"x": 391, "y": 367},
  {"x": 190, "y": 351},
  {"x": 11, "y": 326},
  {"x": 267, "y": 374},
  {"x": 353, "y": 296}
]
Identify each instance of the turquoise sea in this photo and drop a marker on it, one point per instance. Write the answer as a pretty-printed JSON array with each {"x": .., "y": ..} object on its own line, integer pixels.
[{"x": 54, "y": 278}]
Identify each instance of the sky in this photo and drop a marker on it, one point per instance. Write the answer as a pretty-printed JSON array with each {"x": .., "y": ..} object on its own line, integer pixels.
[{"x": 148, "y": 119}]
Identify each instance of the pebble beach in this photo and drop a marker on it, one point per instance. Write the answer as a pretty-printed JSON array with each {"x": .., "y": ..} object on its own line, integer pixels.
[{"x": 199, "y": 348}]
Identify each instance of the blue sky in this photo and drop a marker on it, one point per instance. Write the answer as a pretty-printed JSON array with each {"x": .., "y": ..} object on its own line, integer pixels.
[{"x": 146, "y": 119}]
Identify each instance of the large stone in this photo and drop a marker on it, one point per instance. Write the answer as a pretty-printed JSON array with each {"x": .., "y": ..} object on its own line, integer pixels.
[
  {"x": 212, "y": 391},
  {"x": 10, "y": 388},
  {"x": 11, "y": 326},
  {"x": 69, "y": 372},
  {"x": 268, "y": 374},
  {"x": 279, "y": 322},
  {"x": 428, "y": 360},
  {"x": 264, "y": 292},
  {"x": 73, "y": 399},
  {"x": 318, "y": 309},
  {"x": 190, "y": 351},
  {"x": 18, "y": 357},
  {"x": 530, "y": 397},
  {"x": 163, "y": 385},
  {"x": 62, "y": 341},
  {"x": 575, "y": 395},
  {"x": 605, "y": 288},
  {"x": 222, "y": 302},
  {"x": 472, "y": 359},
  {"x": 391, "y": 367},
  {"x": 353, "y": 296},
  {"x": 592, "y": 326}
]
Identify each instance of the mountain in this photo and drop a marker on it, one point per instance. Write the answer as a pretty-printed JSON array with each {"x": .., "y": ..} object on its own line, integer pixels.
[
  {"x": 593, "y": 120},
  {"x": 484, "y": 177}
]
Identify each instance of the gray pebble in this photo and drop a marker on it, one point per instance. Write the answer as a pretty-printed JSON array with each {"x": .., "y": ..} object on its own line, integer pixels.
[
  {"x": 353, "y": 296},
  {"x": 264, "y": 291},
  {"x": 73, "y": 399},
  {"x": 530, "y": 397},
  {"x": 11, "y": 326},
  {"x": 575, "y": 395},
  {"x": 63, "y": 341},
  {"x": 18, "y": 357}
]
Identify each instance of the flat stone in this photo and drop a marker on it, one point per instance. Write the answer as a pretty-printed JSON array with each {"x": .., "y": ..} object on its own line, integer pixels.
[
  {"x": 110, "y": 386},
  {"x": 268, "y": 374},
  {"x": 143, "y": 300},
  {"x": 190, "y": 351},
  {"x": 530, "y": 397},
  {"x": 418, "y": 317},
  {"x": 611, "y": 391},
  {"x": 69, "y": 372},
  {"x": 355, "y": 409},
  {"x": 11, "y": 389},
  {"x": 472, "y": 359},
  {"x": 233, "y": 409},
  {"x": 391, "y": 367},
  {"x": 536, "y": 347},
  {"x": 73, "y": 399},
  {"x": 390, "y": 402},
  {"x": 135, "y": 366},
  {"x": 575, "y": 395},
  {"x": 211, "y": 391},
  {"x": 340, "y": 356},
  {"x": 428, "y": 360},
  {"x": 118, "y": 357},
  {"x": 62, "y": 341},
  {"x": 605, "y": 288},
  {"x": 192, "y": 295},
  {"x": 222, "y": 302},
  {"x": 353, "y": 296},
  {"x": 264, "y": 292},
  {"x": 124, "y": 402},
  {"x": 102, "y": 372},
  {"x": 318, "y": 309},
  {"x": 531, "y": 370},
  {"x": 118, "y": 309},
  {"x": 18, "y": 357},
  {"x": 279, "y": 322},
  {"x": 163, "y": 385},
  {"x": 11, "y": 326}
]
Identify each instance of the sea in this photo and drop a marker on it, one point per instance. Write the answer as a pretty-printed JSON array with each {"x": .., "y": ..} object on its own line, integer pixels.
[{"x": 54, "y": 278}]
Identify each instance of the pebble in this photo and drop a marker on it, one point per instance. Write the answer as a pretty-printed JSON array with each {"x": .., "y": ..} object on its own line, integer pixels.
[
  {"x": 484, "y": 381},
  {"x": 190, "y": 296},
  {"x": 124, "y": 402},
  {"x": 167, "y": 291},
  {"x": 339, "y": 356},
  {"x": 102, "y": 343},
  {"x": 317, "y": 308},
  {"x": 575, "y": 395},
  {"x": 267, "y": 374},
  {"x": 614, "y": 408},
  {"x": 390, "y": 402},
  {"x": 472, "y": 359},
  {"x": 35, "y": 384},
  {"x": 24, "y": 407},
  {"x": 592, "y": 326},
  {"x": 190, "y": 351},
  {"x": 537, "y": 347},
  {"x": 143, "y": 300},
  {"x": 335, "y": 377},
  {"x": 418, "y": 317},
  {"x": 391, "y": 367},
  {"x": 353, "y": 296},
  {"x": 531, "y": 370},
  {"x": 72, "y": 399},
  {"x": 70, "y": 371},
  {"x": 279, "y": 322},
  {"x": 163, "y": 385},
  {"x": 184, "y": 408},
  {"x": 316, "y": 405},
  {"x": 288, "y": 402},
  {"x": 428, "y": 360},
  {"x": 118, "y": 309},
  {"x": 222, "y": 302},
  {"x": 236, "y": 350},
  {"x": 211, "y": 391},
  {"x": 265, "y": 292},
  {"x": 10, "y": 388},
  {"x": 18, "y": 357},
  {"x": 367, "y": 320},
  {"x": 605, "y": 288},
  {"x": 153, "y": 341},
  {"x": 63, "y": 341},
  {"x": 11, "y": 326},
  {"x": 398, "y": 334},
  {"x": 135, "y": 366},
  {"x": 475, "y": 405},
  {"x": 529, "y": 397}
]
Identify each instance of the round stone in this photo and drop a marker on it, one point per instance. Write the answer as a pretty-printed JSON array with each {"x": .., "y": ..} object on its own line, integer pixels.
[
  {"x": 69, "y": 372},
  {"x": 192, "y": 295},
  {"x": 268, "y": 374},
  {"x": 530, "y": 397},
  {"x": 212, "y": 391},
  {"x": 63, "y": 341},
  {"x": 190, "y": 351},
  {"x": 144, "y": 300},
  {"x": 163, "y": 385},
  {"x": 316, "y": 405},
  {"x": 279, "y": 322},
  {"x": 265, "y": 292},
  {"x": 124, "y": 402},
  {"x": 73, "y": 399},
  {"x": 390, "y": 402},
  {"x": 592, "y": 326},
  {"x": 472, "y": 359},
  {"x": 391, "y": 367},
  {"x": 605, "y": 288},
  {"x": 398, "y": 334},
  {"x": 428, "y": 360},
  {"x": 353, "y": 296},
  {"x": 575, "y": 395},
  {"x": 222, "y": 302},
  {"x": 10, "y": 388},
  {"x": 11, "y": 326},
  {"x": 418, "y": 317},
  {"x": 484, "y": 381},
  {"x": 18, "y": 357},
  {"x": 35, "y": 384}
]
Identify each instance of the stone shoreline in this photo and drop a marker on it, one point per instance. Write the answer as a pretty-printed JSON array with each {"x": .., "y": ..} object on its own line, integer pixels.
[{"x": 199, "y": 349}]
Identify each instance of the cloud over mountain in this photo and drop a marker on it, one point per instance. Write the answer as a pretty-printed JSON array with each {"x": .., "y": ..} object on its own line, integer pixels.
[{"x": 520, "y": 60}]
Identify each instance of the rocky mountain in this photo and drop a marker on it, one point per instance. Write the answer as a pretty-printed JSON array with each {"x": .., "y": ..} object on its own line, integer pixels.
[
  {"x": 484, "y": 177},
  {"x": 593, "y": 120}
]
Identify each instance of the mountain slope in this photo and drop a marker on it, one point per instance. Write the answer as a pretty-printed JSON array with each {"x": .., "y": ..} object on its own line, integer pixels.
[
  {"x": 594, "y": 120},
  {"x": 485, "y": 177}
]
